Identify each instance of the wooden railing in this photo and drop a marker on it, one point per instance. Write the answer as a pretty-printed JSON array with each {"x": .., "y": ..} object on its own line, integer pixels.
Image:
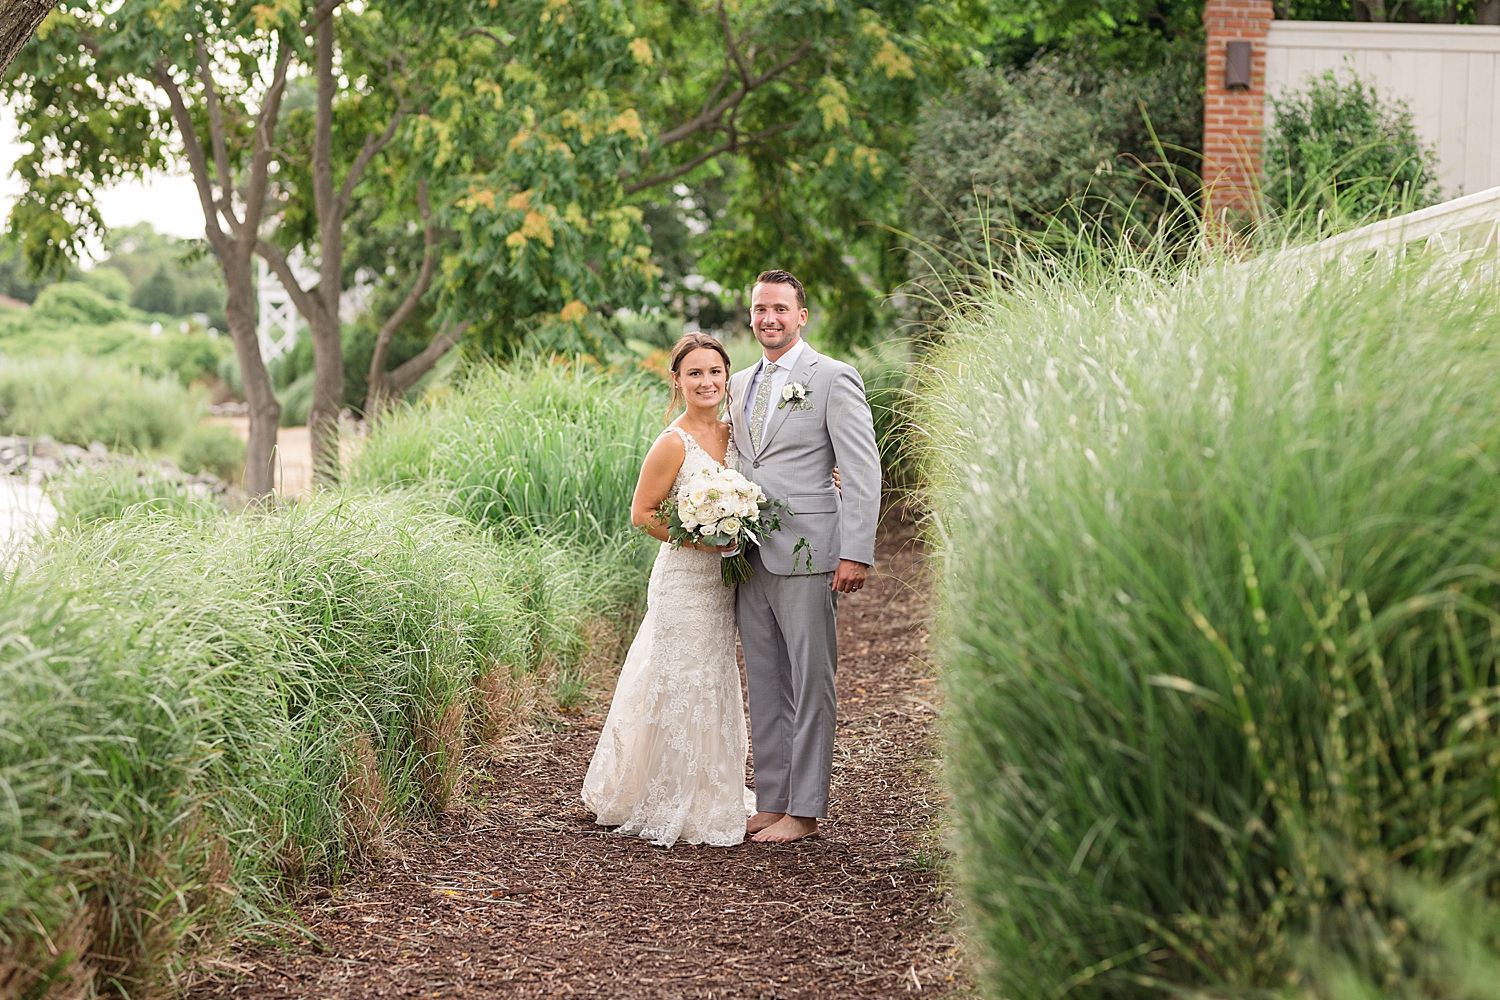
[{"x": 1464, "y": 227}]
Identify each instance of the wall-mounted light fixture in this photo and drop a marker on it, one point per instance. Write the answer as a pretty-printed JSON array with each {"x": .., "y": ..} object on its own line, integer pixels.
[{"x": 1237, "y": 66}]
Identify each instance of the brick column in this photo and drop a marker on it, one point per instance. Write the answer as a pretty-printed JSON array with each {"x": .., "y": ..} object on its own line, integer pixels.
[{"x": 1232, "y": 119}]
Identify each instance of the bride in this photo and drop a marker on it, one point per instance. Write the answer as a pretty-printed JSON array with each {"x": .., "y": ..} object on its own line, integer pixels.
[{"x": 670, "y": 764}]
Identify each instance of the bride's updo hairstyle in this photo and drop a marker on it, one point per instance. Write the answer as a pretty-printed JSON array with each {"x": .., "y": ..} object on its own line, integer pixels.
[{"x": 689, "y": 343}]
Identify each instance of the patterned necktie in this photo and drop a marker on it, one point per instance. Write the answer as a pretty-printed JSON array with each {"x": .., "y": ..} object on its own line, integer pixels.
[{"x": 762, "y": 403}]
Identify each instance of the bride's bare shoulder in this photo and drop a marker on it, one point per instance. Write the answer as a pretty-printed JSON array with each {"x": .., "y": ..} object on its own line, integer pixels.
[{"x": 668, "y": 447}]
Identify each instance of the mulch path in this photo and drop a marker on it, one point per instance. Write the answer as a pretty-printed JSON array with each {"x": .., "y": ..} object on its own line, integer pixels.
[{"x": 520, "y": 895}]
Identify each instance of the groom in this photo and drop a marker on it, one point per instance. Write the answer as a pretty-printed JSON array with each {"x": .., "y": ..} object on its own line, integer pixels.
[{"x": 797, "y": 415}]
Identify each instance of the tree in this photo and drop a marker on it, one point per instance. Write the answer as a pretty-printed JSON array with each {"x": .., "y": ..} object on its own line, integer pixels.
[
  {"x": 570, "y": 120},
  {"x": 107, "y": 92},
  {"x": 157, "y": 294}
]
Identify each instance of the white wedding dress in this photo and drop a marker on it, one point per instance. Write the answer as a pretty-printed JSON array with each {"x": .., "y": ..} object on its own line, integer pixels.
[{"x": 670, "y": 764}]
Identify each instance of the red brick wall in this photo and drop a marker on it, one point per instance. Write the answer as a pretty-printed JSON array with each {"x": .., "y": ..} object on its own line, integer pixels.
[{"x": 1232, "y": 118}]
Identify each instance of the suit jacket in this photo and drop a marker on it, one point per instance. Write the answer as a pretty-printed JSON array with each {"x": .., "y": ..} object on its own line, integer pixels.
[{"x": 799, "y": 449}]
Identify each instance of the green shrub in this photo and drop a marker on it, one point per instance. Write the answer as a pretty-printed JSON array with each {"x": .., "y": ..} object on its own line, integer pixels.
[
  {"x": 75, "y": 302},
  {"x": 188, "y": 357},
  {"x": 202, "y": 713},
  {"x": 77, "y": 401},
  {"x": 548, "y": 445},
  {"x": 1337, "y": 147},
  {"x": 211, "y": 448},
  {"x": 1014, "y": 148},
  {"x": 296, "y": 400},
  {"x": 157, "y": 294},
  {"x": 1221, "y": 585}
]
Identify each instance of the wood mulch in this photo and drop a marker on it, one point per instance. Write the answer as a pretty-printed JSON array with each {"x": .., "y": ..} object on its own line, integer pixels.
[{"x": 520, "y": 895}]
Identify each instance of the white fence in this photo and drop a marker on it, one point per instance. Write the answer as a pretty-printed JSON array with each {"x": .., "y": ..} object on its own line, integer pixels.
[{"x": 1449, "y": 74}]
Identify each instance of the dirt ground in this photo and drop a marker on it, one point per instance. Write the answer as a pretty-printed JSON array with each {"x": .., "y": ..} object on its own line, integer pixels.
[
  {"x": 518, "y": 894},
  {"x": 292, "y": 467}
]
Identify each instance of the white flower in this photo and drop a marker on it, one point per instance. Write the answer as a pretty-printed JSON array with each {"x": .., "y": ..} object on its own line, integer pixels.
[
  {"x": 689, "y": 521},
  {"x": 730, "y": 526},
  {"x": 789, "y": 393},
  {"x": 705, "y": 514}
]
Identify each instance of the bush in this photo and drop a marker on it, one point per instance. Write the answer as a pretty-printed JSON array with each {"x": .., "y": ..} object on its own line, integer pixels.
[
  {"x": 203, "y": 713},
  {"x": 1221, "y": 578},
  {"x": 77, "y": 402},
  {"x": 157, "y": 294},
  {"x": 548, "y": 446},
  {"x": 1335, "y": 146},
  {"x": 187, "y": 357},
  {"x": 75, "y": 302},
  {"x": 211, "y": 448},
  {"x": 1013, "y": 148}
]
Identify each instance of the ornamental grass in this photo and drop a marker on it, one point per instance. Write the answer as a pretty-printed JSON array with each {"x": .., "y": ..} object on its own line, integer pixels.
[
  {"x": 1221, "y": 564},
  {"x": 206, "y": 712}
]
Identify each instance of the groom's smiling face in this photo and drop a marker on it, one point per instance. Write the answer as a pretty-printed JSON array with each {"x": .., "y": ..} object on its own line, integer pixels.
[{"x": 775, "y": 315}]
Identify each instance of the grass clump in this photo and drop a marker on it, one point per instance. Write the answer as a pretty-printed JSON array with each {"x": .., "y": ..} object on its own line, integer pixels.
[
  {"x": 203, "y": 713},
  {"x": 545, "y": 445},
  {"x": 1222, "y": 610}
]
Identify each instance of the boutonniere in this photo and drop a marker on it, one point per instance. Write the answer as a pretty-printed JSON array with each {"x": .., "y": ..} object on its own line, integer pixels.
[{"x": 795, "y": 393}]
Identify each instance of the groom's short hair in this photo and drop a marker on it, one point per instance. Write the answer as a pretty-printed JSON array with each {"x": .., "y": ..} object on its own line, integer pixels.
[{"x": 777, "y": 276}]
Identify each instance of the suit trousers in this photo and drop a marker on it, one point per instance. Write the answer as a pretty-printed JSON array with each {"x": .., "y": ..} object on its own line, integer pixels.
[{"x": 790, "y": 637}]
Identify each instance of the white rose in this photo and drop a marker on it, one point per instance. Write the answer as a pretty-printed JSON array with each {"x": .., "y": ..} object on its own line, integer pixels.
[
  {"x": 788, "y": 394},
  {"x": 705, "y": 513},
  {"x": 689, "y": 521},
  {"x": 730, "y": 526}
]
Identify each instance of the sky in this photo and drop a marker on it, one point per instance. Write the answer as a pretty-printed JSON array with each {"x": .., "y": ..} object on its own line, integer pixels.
[{"x": 168, "y": 201}]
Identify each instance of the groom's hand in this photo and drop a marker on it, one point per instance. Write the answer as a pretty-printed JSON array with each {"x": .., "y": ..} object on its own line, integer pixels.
[{"x": 849, "y": 576}]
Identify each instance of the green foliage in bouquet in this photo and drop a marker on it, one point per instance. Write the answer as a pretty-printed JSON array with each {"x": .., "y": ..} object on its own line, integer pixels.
[{"x": 751, "y": 518}]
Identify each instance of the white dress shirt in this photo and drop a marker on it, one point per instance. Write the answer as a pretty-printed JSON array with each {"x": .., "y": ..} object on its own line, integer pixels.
[{"x": 779, "y": 378}]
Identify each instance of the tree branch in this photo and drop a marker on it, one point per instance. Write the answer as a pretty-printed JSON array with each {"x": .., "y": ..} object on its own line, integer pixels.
[
  {"x": 372, "y": 147},
  {"x": 260, "y": 159},
  {"x": 711, "y": 117},
  {"x": 487, "y": 34},
  {"x": 217, "y": 135},
  {"x": 197, "y": 159},
  {"x": 325, "y": 201},
  {"x": 729, "y": 45},
  {"x": 20, "y": 23},
  {"x": 732, "y": 145},
  {"x": 405, "y": 376},
  {"x": 408, "y": 305},
  {"x": 306, "y": 300}
]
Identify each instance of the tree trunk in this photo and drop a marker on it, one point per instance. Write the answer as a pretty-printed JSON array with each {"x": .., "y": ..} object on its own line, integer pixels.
[
  {"x": 328, "y": 397},
  {"x": 19, "y": 20},
  {"x": 1487, "y": 12},
  {"x": 328, "y": 346},
  {"x": 265, "y": 411},
  {"x": 387, "y": 387}
]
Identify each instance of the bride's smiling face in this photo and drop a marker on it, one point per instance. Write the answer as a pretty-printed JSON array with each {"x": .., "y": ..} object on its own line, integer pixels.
[{"x": 701, "y": 377}]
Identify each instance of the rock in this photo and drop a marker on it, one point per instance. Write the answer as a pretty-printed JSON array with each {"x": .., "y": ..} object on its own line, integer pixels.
[{"x": 97, "y": 449}]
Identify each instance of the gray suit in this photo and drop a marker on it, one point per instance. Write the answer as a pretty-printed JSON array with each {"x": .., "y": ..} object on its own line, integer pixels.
[{"x": 786, "y": 610}]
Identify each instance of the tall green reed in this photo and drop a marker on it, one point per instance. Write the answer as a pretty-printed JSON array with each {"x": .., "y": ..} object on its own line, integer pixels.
[
  {"x": 203, "y": 713},
  {"x": 1221, "y": 551},
  {"x": 549, "y": 445}
]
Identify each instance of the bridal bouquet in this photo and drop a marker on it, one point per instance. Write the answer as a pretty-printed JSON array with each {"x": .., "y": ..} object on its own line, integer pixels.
[{"x": 722, "y": 507}]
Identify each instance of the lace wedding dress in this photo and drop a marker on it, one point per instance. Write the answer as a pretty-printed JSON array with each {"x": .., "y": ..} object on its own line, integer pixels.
[{"x": 670, "y": 764}]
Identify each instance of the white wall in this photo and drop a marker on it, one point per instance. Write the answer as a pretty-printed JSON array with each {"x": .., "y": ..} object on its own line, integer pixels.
[{"x": 1448, "y": 74}]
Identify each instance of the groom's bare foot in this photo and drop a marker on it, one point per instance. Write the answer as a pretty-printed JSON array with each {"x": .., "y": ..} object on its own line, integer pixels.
[
  {"x": 786, "y": 830},
  {"x": 761, "y": 820}
]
